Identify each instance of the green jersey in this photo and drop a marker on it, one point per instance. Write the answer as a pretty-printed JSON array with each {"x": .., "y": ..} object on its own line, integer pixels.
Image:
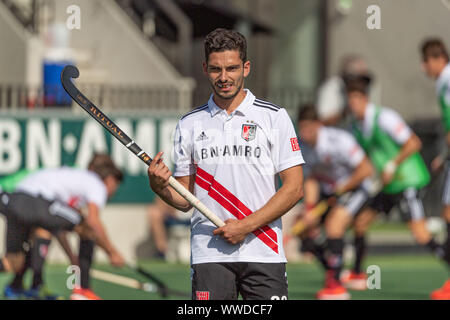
[
  {"x": 443, "y": 92},
  {"x": 382, "y": 135}
]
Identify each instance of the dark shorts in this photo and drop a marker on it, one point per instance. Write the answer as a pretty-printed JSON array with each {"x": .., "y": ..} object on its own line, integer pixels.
[
  {"x": 24, "y": 212},
  {"x": 253, "y": 281},
  {"x": 408, "y": 202},
  {"x": 353, "y": 201}
]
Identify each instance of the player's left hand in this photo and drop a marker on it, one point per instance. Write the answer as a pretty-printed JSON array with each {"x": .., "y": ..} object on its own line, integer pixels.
[
  {"x": 389, "y": 172},
  {"x": 387, "y": 177},
  {"x": 234, "y": 231}
]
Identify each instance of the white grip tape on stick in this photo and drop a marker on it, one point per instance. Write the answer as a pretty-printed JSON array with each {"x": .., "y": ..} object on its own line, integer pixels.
[
  {"x": 195, "y": 202},
  {"x": 115, "y": 278}
]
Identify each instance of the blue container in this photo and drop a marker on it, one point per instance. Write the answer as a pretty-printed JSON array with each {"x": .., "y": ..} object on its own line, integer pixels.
[{"x": 54, "y": 93}]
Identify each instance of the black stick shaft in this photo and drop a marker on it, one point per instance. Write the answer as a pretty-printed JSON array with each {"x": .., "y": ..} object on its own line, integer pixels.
[{"x": 72, "y": 72}]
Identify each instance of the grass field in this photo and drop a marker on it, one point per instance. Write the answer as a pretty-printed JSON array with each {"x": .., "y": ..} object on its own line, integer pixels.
[{"x": 402, "y": 277}]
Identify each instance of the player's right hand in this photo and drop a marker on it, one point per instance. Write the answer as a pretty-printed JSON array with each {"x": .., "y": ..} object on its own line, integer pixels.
[
  {"x": 158, "y": 173},
  {"x": 116, "y": 259},
  {"x": 309, "y": 219}
]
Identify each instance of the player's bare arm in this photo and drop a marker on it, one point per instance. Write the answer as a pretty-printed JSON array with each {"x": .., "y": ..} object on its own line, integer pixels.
[
  {"x": 311, "y": 198},
  {"x": 312, "y": 190},
  {"x": 438, "y": 162},
  {"x": 63, "y": 241},
  {"x": 102, "y": 239},
  {"x": 284, "y": 199},
  {"x": 362, "y": 171},
  {"x": 412, "y": 145},
  {"x": 159, "y": 174}
]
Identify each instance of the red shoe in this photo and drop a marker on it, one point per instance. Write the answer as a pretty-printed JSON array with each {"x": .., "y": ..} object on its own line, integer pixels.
[
  {"x": 333, "y": 291},
  {"x": 354, "y": 281},
  {"x": 83, "y": 294},
  {"x": 443, "y": 293},
  {"x": 329, "y": 277}
]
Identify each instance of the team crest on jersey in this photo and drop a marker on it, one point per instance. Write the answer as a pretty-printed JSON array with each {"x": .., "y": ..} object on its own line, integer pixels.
[{"x": 248, "y": 131}]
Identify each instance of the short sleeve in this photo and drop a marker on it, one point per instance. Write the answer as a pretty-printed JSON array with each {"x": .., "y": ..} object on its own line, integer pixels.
[
  {"x": 392, "y": 123},
  {"x": 96, "y": 193},
  {"x": 286, "y": 151},
  {"x": 353, "y": 150},
  {"x": 183, "y": 160}
]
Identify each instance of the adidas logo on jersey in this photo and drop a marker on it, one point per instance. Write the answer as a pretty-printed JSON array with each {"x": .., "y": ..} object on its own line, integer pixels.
[{"x": 202, "y": 137}]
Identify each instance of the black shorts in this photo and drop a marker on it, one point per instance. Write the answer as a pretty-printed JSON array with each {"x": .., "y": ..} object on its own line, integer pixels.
[
  {"x": 24, "y": 212},
  {"x": 253, "y": 281},
  {"x": 408, "y": 202},
  {"x": 353, "y": 201}
]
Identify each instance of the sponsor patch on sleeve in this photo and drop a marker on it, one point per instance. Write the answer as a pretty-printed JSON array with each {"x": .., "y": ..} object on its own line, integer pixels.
[{"x": 294, "y": 144}]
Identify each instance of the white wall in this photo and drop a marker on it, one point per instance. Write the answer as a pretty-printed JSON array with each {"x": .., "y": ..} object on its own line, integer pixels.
[
  {"x": 109, "y": 49},
  {"x": 13, "y": 51},
  {"x": 116, "y": 45},
  {"x": 393, "y": 51}
]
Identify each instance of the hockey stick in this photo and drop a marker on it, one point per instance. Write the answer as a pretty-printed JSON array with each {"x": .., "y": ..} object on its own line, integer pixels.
[
  {"x": 316, "y": 212},
  {"x": 375, "y": 187},
  {"x": 156, "y": 287},
  {"x": 163, "y": 290},
  {"x": 70, "y": 72}
]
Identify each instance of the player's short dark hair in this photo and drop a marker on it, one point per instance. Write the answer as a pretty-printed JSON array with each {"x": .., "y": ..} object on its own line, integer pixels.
[
  {"x": 223, "y": 39},
  {"x": 103, "y": 165},
  {"x": 307, "y": 112},
  {"x": 435, "y": 48},
  {"x": 358, "y": 84}
]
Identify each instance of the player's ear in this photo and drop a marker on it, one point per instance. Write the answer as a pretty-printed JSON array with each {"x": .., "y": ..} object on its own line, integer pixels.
[
  {"x": 205, "y": 67},
  {"x": 247, "y": 68}
]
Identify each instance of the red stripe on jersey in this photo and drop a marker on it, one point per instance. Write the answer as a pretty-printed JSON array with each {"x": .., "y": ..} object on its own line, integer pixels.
[
  {"x": 227, "y": 200},
  {"x": 233, "y": 199}
]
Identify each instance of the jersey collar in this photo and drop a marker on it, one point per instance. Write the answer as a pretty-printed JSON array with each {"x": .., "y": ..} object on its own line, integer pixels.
[
  {"x": 241, "y": 109},
  {"x": 443, "y": 78}
]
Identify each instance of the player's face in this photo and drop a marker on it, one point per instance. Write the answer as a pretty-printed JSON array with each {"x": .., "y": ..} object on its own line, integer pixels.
[
  {"x": 111, "y": 184},
  {"x": 226, "y": 72},
  {"x": 432, "y": 67},
  {"x": 357, "y": 103},
  {"x": 308, "y": 131}
]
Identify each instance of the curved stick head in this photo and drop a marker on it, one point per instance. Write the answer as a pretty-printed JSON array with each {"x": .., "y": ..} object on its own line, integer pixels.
[{"x": 70, "y": 72}]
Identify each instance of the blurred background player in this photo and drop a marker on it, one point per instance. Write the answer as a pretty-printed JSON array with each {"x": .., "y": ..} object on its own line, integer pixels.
[
  {"x": 25, "y": 212},
  {"x": 77, "y": 188},
  {"x": 36, "y": 252},
  {"x": 393, "y": 148},
  {"x": 339, "y": 172},
  {"x": 435, "y": 63}
]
